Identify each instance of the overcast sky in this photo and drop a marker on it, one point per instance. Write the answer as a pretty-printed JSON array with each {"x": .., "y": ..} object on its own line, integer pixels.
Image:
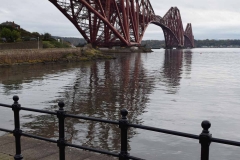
[{"x": 211, "y": 19}]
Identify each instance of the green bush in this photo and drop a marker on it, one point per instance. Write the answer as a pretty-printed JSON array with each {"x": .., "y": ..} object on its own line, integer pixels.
[
  {"x": 6, "y": 33},
  {"x": 55, "y": 44},
  {"x": 10, "y": 35},
  {"x": 47, "y": 44}
]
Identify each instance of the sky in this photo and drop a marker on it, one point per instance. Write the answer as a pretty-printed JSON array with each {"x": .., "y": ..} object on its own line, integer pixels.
[{"x": 210, "y": 19}]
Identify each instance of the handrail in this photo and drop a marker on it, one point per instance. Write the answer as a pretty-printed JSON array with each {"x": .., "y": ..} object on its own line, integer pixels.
[
  {"x": 205, "y": 138},
  {"x": 176, "y": 133},
  {"x": 5, "y": 105},
  {"x": 92, "y": 119}
]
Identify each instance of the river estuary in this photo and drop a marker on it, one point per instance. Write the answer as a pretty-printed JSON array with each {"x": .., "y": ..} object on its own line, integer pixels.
[{"x": 170, "y": 89}]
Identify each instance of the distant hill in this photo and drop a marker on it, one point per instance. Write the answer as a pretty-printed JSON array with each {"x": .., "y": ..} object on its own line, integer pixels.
[
  {"x": 24, "y": 35},
  {"x": 153, "y": 43},
  {"x": 212, "y": 43},
  {"x": 72, "y": 40},
  {"x": 229, "y": 43},
  {"x": 161, "y": 43}
]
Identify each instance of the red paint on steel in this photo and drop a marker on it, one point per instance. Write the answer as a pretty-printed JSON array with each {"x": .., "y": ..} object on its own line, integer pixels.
[
  {"x": 120, "y": 22},
  {"x": 172, "y": 27},
  {"x": 188, "y": 35}
]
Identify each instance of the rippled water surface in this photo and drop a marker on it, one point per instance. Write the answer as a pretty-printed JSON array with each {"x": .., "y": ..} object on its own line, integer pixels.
[{"x": 170, "y": 89}]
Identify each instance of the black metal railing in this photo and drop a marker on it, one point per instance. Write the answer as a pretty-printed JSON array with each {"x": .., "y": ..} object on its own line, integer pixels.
[{"x": 205, "y": 138}]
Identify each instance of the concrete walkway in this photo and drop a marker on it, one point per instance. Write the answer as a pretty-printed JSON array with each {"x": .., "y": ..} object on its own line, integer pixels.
[{"x": 33, "y": 149}]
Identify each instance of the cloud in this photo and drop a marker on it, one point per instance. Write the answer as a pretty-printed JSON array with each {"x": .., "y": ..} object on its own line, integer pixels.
[{"x": 213, "y": 19}]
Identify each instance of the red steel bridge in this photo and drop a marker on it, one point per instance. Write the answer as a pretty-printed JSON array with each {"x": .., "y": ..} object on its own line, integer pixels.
[{"x": 123, "y": 22}]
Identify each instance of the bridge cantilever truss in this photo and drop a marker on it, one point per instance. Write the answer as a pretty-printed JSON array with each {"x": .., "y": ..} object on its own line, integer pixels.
[
  {"x": 188, "y": 36},
  {"x": 172, "y": 27},
  {"x": 108, "y": 22},
  {"x": 120, "y": 22}
]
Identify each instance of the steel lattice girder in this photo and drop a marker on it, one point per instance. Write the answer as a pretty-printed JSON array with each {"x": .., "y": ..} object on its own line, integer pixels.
[
  {"x": 172, "y": 27},
  {"x": 120, "y": 22},
  {"x": 108, "y": 22},
  {"x": 188, "y": 36}
]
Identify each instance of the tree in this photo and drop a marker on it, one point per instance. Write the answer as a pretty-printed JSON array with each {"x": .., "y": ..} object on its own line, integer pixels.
[
  {"x": 35, "y": 34},
  {"x": 47, "y": 36},
  {"x": 6, "y": 33},
  {"x": 15, "y": 35},
  {"x": 25, "y": 33}
]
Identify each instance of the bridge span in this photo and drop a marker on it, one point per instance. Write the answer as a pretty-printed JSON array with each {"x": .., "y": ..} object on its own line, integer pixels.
[{"x": 123, "y": 22}]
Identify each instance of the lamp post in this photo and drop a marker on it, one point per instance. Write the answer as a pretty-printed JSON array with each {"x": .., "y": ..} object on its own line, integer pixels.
[{"x": 38, "y": 42}]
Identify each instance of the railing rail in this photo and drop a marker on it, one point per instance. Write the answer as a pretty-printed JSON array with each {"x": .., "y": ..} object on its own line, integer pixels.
[{"x": 205, "y": 138}]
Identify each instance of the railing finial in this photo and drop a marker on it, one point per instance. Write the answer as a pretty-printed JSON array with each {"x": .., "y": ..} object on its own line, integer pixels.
[
  {"x": 15, "y": 98},
  {"x": 61, "y": 105},
  {"x": 124, "y": 113},
  {"x": 206, "y": 125}
]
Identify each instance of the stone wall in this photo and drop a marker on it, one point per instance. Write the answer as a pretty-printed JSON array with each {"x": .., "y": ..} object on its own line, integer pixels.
[{"x": 21, "y": 45}]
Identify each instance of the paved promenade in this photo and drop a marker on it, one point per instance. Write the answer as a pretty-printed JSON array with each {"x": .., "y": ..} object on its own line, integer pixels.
[{"x": 33, "y": 149}]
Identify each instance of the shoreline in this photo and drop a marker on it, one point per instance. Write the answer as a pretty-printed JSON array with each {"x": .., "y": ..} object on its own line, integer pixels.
[
  {"x": 33, "y": 56},
  {"x": 53, "y": 55}
]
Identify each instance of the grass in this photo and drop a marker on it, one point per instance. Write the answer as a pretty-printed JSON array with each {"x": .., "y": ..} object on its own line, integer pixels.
[
  {"x": 9, "y": 57},
  {"x": 30, "y": 56},
  {"x": 55, "y": 44}
]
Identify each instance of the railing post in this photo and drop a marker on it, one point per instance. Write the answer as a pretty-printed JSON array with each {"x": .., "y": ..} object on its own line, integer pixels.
[
  {"x": 123, "y": 125},
  {"x": 205, "y": 140},
  {"x": 61, "y": 140},
  {"x": 17, "y": 132}
]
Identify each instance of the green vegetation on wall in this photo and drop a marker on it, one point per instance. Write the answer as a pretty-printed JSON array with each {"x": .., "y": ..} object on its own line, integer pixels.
[{"x": 55, "y": 44}]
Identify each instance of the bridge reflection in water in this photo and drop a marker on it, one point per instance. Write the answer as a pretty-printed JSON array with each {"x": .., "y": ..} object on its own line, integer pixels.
[
  {"x": 101, "y": 89},
  {"x": 172, "y": 69}
]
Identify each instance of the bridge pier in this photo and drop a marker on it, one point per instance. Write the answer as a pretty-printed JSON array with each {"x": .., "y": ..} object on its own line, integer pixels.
[
  {"x": 180, "y": 47},
  {"x": 168, "y": 47},
  {"x": 173, "y": 47}
]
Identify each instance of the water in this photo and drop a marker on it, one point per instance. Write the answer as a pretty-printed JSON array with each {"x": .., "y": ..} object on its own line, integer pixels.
[{"x": 167, "y": 89}]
